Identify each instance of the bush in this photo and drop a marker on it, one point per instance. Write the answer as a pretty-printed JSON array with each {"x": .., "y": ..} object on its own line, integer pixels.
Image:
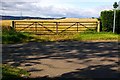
[
  {"x": 11, "y": 36},
  {"x": 107, "y": 20}
]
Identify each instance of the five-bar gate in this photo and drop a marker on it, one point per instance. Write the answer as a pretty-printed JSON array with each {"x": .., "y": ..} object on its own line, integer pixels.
[{"x": 55, "y": 27}]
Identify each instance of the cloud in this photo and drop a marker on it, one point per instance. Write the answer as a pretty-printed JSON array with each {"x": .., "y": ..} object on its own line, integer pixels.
[
  {"x": 49, "y": 8},
  {"x": 119, "y": 5},
  {"x": 38, "y": 10},
  {"x": 20, "y": 0},
  {"x": 59, "y": 0}
]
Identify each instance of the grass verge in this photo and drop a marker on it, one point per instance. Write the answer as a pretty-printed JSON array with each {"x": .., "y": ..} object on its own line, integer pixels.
[
  {"x": 11, "y": 36},
  {"x": 96, "y": 36},
  {"x": 9, "y": 72},
  {"x": 79, "y": 36}
]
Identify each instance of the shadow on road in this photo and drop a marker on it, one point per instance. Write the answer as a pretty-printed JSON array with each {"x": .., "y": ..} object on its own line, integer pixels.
[{"x": 17, "y": 54}]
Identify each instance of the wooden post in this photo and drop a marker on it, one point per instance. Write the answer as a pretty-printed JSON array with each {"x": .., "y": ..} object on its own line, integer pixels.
[
  {"x": 13, "y": 24},
  {"x": 36, "y": 27},
  {"x": 98, "y": 26},
  {"x": 57, "y": 27},
  {"x": 77, "y": 26}
]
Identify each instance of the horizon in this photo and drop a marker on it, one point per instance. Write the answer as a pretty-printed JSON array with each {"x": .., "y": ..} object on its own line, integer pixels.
[{"x": 55, "y": 8}]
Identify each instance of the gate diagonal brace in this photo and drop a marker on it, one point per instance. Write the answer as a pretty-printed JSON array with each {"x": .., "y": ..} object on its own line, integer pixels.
[
  {"x": 67, "y": 28},
  {"x": 46, "y": 28},
  {"x": 27, "y": 26},
  {"x": 83, "y": 26}
]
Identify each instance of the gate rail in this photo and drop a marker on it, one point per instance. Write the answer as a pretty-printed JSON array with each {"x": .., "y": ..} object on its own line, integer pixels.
[{"x": 54, "y": 27}]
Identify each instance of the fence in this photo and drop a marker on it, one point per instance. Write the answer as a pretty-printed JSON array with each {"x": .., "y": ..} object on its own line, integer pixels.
[{"x": 55, "y": 27}]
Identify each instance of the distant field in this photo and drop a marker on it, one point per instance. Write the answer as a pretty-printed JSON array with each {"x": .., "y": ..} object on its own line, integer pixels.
[
  {"x": 8, "y": 22},
  {"x": 5, "y": 23}
]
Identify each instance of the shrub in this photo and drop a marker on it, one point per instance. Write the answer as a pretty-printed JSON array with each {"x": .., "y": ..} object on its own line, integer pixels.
[
  {"x": 11, "y": 36},
  {"x": 107, "y": 20}
]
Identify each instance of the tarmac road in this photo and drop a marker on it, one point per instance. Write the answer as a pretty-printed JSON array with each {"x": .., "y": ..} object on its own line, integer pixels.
[{"x": 72, "y": 59}]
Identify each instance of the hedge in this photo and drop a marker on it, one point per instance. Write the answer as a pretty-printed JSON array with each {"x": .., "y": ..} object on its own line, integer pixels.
[{"x": 107, "y": 20}]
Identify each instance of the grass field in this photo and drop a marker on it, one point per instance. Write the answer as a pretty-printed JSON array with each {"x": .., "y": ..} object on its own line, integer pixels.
[
  {"x": 5, "y": 23},
  {"x": 8, "y": 22}
]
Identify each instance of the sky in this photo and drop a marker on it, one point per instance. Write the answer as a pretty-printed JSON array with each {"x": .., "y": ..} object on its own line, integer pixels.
[{"x": 55, "y": 8}]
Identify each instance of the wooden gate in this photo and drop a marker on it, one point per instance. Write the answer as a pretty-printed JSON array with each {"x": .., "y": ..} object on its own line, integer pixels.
[{"x": 55, "y": 27}]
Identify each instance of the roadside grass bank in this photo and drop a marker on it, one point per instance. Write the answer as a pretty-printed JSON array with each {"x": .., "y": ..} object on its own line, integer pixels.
[
  {"x": 97, "y": 36},
  {"x": 9, "y": 73},
  {"x": 85, "y": 36},
  {"x": 11, "y": 36}
]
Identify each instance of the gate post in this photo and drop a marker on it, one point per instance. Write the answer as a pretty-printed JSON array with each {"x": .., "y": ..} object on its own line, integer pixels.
[
  {"x": 57, "y": 27},
  {"x": 77, "y": 26},
  {"x": 13, "y": 24},
  {"x": 36, "y": 27},
  {"x": 98, "y": 26}
]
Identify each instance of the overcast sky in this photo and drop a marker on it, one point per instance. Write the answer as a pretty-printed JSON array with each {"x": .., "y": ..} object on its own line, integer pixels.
[{"x": 55, "y": 8}]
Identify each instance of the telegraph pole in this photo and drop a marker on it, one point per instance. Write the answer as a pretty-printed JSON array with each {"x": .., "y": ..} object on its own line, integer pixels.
[{"x": 21, "y": 14}]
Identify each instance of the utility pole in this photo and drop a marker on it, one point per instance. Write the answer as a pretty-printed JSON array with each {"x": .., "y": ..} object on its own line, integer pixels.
[
  {"x": 115, "y": 5},
  {"x": 21, "y": 14}
]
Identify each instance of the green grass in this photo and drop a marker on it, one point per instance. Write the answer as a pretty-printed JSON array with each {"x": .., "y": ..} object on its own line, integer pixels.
[
  {"x": 11, "y": 36},
  {"x": 86, "y": 36},
  {"x": 9, "y": 72},
  {"x": 96, "y": 36},
  {"x": 53, "y": 37}
]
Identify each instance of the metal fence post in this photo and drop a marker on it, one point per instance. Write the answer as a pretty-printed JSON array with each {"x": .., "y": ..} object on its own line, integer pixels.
[{"x": 114, "y": 21}]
